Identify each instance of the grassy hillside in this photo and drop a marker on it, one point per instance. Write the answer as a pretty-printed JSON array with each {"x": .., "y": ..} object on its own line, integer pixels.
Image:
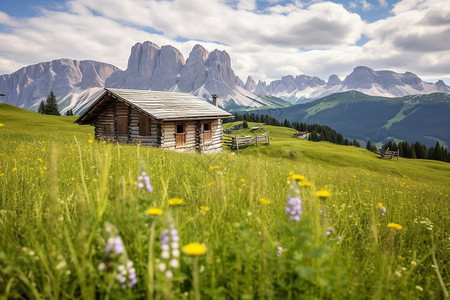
[
  {"x": 420, "y": 118},
  {"x": 57, "y": 197}
]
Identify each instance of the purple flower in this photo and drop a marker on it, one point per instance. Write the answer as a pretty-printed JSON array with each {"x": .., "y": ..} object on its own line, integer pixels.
[
  {"x": 294, "y": 208},
  {"x": 383, "y": 210},
  {"x": 170, "y": 250},
  {"x": 144, "y": 180}
]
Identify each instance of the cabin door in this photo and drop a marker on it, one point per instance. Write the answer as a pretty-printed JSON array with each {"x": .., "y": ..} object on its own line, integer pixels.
[{"x": 180, "y": 135}]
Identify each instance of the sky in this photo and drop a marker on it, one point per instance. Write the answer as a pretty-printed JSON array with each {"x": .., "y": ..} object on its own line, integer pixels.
[{"x": 266, "y": 39}]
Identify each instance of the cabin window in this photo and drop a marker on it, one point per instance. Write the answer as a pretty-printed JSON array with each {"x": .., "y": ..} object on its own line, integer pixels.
[
  {"x": 180, "y": 135},
  {"x": 180, "y": 128},
  {"x": 207, "y": 133},
  {"x": 144, "y": 126},
  {"x": 122, "y": 125}
]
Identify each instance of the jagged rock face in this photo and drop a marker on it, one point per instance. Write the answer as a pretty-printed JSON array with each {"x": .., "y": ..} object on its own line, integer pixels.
[
  {"x": 261, "y": 88},
  {"x": 149, "y": 67},
  {"x": 193, "y": 75},
  {"x": 31, "y": 84},
  {"x": 250, "y": 84},
  {"x": 333, "y": 80}
]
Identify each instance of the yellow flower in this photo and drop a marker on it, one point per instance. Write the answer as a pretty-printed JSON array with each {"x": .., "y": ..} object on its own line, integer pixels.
[
  {"x": 1, "y": 125},
  {"x": 264, "y": 201},
  {"x": 291, "y": 173},
  {"x": 242, "y": 180},
  {"x": 2, "y": 174},
  {"x": 395, "y": 226},
  {"x": 212, "y": 168},
  {"x": 323, "y": 194},
  {"x": 90, "y": 141},
  {"x": 154, "y": 211},
  {"x": 194, "y": 249},
  {"x": 380, "y": 205},
  {"x": 14, "y": 169},
  {"x": 304, "y": 183},
  {"x": 204, "y": 208},
  {"x": 175, "y": 201},
  {"x": 296, "y": 177}
]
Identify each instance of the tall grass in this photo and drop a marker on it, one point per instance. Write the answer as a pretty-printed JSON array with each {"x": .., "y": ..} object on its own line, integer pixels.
[{"x": 59, "y": 190}]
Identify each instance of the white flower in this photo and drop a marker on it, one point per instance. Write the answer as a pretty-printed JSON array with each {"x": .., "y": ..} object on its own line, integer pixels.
[
  {"x": 176, "y": 253},
  {"x": 174, "y": 263},
  {"x": 162, "y": 267},
  {"x": 169, "y": 274},
  {"x": 165, "y": 254}
]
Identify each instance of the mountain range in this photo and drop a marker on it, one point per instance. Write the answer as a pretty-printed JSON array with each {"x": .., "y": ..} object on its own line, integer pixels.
[
  {"x": 77, "y": 83},
  {"x": 422, "y": 118}
]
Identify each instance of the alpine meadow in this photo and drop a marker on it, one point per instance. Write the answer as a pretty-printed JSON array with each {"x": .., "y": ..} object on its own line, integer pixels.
[{"x": 87, "y": 219}]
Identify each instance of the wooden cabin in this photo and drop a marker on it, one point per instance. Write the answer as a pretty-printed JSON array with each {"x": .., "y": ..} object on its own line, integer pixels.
[{"x": 175, "y": 121}]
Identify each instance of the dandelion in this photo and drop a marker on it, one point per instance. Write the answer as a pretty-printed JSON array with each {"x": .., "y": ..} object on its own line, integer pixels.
[
  {"x": 395, "y": 226},
  {"x": 175, "y": 201},
  {"x": 144, "y": 180},
  {"x": 323, "y": 194},
  {"x": 264, "y": 201},
  {"x": 204, "y": 208},
  {"x": 2, "y": 174},
  {"x": 90, "y": 141},
  {"x": 154, "y": 211},
  {"x": 1, "y": 125},
  {"x": 194, "y": 249},
  {"x": 304, "y": 183},
  {"x": 242, "y": 180}
]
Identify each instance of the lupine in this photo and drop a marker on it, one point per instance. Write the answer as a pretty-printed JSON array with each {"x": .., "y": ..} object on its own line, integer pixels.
[
  {"x": 294, "y": 207},
  {"x": 117, "y": 259},
  {"x": 170, "y": 251},
  {"x": 382, "y": 208},
  {"x": 144, "y": 181}
]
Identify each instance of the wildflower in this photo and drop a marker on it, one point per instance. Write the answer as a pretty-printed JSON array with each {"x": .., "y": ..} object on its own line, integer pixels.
[
  {"x": 323, "y": 194},
  {"x": 214, "y": 168},
  {"x": 280, "y": 251},
  {"x": 90, "y": 141},
  {"x": 395, "y": 226},
  {"x": 339, "y": 238},
  {"x": 194, "y": 249},
  {"x": 330, "y": 231},
  {"x": 264, "y": 201},
  {"x": 154, "y": 211},
  {"x": 294, "y": 208},
  {"x": 242, "y": 180},
  {"x": 2, "y": 174},
  {"x": 144, "y": 179},
  {"x": 204, "y": 208},
  {"x": 296, "y": 177},
  {"x": 117, "y": 256},
  {"x": 419, "y": 288},
  {"x": 175, "y": 201},
  {"x": 1, "y": 125},
  {"x": 14, "y": 169},
  {"x": 382, "y": 208},
  {"x": 169, "y": 251},
  {"x": 304, "y": 183}
]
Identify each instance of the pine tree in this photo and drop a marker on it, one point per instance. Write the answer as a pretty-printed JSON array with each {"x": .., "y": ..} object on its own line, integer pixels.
[
  {"x": 51, "y": 106},
  {"x": 41, "y": 108}
]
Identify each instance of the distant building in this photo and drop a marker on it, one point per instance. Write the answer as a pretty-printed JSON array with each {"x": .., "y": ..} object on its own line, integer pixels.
[
  {"x": 301, "y": 134},
  {"x": 176, "y": 121}
]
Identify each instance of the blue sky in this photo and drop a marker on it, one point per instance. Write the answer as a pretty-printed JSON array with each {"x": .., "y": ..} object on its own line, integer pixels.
[{"x": 266, "y": 39}]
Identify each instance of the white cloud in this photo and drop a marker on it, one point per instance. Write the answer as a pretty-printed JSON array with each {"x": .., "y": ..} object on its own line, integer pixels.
[
  {"x": 383, "y": 3},
  {"x": 301, "y": 37}
]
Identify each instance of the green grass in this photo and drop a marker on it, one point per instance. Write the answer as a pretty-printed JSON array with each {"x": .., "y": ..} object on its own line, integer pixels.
[{"x": 58, "y": 190}]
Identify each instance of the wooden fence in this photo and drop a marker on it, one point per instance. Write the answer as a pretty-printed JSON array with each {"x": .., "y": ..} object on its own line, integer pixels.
[
  {"x": 235, "y": 142},
  {"x": 389, "y": 154}
]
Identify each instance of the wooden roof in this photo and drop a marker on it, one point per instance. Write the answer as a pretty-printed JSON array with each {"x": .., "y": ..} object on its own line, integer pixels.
[{"x": 164, "y": 106}]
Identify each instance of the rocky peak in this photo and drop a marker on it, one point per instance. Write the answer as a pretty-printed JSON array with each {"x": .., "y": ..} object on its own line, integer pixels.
[
  {"x": 250, "y": 84},
  {"x": 333, "y": 80}
]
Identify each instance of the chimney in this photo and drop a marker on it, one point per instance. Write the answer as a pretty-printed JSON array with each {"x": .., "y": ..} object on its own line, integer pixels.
[{"x": 214, "y": 99}]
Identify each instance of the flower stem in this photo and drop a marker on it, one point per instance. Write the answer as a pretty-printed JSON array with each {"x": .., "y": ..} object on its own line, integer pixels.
[
  {"x": 195, "y": 277},
  {"x": 150, "y": 261}
]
